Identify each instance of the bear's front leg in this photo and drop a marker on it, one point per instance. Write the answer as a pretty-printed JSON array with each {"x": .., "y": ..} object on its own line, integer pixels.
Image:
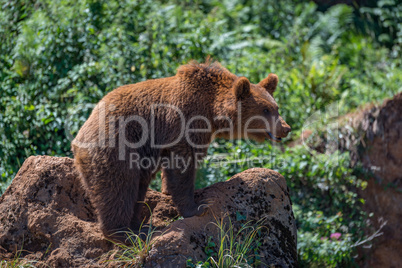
[{"x": 179, "y": 182}]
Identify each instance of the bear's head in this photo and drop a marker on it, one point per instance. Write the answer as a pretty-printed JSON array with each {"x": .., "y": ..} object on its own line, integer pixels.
[{"x": 257, "y": 111}]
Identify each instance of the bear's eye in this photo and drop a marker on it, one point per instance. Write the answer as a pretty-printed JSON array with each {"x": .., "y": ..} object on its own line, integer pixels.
[{"x": 266, "y": 111}]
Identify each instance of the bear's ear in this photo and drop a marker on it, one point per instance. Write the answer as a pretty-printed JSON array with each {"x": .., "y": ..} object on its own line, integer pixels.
[
  {"x": 241, "y": 88},
  {"x": 270, "y": 83}
]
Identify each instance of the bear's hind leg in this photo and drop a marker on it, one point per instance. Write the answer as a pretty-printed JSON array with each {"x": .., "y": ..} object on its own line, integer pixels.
[{"x": 114, "y": 201}]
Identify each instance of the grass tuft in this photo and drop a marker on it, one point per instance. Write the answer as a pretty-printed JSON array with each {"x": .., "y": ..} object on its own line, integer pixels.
[
  {"x": 139, "y": 245},
  {"x": 234, "y": 248}
]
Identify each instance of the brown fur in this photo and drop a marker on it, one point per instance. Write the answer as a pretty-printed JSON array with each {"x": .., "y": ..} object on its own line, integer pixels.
[{"x": 208, "y": 89}]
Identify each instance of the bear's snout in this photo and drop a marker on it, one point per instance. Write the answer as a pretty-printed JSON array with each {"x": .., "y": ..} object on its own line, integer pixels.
[{"x": 286, "y": 129}]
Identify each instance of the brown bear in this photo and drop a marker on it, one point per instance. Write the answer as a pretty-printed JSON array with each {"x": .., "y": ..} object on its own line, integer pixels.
[{"x": 167, "y": 124}]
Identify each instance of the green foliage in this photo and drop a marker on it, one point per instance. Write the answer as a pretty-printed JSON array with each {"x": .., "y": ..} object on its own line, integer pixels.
[
  {"x": 236, "y": 246},
  {"x": 57, "y": 58},
  {"x": 384, "y": 21}
]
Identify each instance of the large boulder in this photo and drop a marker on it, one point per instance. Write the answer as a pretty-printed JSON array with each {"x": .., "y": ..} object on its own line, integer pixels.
[
  {"x": 46, "y": 213},
  {"x": 373, "y": 137},
  {"x": 378, "y": 147},
  {"x": 254, "y": 195}
]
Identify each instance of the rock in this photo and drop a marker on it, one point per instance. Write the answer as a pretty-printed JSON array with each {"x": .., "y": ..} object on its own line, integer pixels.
[
  {"x": 251, "y": 195},
  {"x": 46, "y": 213},
  {"x": 373, "y": 137},
  {"x": 380, "y": 152}
]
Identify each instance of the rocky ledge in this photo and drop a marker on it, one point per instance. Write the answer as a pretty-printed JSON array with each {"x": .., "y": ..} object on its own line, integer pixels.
[{"x": 46, "y": 213}]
